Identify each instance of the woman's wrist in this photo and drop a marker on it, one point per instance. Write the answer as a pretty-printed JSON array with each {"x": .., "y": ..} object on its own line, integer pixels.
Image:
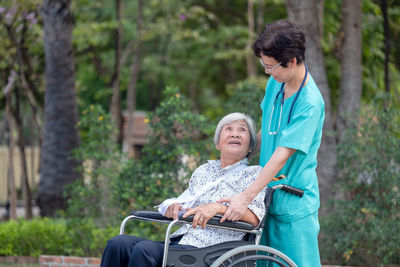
[{"x": 221, "y": 208}]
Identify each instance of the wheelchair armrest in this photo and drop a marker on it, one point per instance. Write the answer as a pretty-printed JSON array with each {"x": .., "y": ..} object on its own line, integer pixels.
[
  {"x": 229, "y": 224},
  {"x": 150, "y": 215},
  {"x": 155, "y": 215}
]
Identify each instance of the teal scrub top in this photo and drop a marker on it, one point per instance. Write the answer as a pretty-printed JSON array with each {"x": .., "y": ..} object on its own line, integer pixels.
[{"x": 303, "y": 133}]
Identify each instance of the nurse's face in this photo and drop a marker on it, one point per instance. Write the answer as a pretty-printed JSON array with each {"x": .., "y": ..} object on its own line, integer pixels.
[{"x": 274, "y": 68}]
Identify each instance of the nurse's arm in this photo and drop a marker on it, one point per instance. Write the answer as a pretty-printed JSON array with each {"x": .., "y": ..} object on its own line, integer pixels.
[
  {"x": 273, "y": 166},
  {"x": 238, "y": 203}
]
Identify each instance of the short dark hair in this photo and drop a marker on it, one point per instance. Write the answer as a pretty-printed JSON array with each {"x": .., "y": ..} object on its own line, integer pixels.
[{"x": 282, "y": 40}]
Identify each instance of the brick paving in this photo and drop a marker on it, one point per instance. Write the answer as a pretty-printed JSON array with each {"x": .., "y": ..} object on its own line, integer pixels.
[{"x": 66, "y": 261}]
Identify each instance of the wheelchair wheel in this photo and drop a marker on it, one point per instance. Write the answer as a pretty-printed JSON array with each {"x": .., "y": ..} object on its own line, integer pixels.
[{"x": 251, "y": 254}]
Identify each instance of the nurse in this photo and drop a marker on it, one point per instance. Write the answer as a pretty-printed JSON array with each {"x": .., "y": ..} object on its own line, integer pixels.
[{"x": 291, "y": 130}]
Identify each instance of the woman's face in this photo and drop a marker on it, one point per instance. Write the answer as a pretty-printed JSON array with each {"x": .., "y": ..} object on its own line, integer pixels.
[{"x": 234, "y": 140}]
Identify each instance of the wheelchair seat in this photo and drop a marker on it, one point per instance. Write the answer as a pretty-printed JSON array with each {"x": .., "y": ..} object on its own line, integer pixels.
[{"x": 201, "y": 257}]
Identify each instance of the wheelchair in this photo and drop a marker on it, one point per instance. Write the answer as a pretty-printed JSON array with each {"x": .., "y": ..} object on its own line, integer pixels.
[{"x": 238, "y": 253}]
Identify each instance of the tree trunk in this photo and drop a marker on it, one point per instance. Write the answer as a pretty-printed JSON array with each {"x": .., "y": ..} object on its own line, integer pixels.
[
  {"x": 26, "y": 189},
  {"x": 131, "y": 94},
  {"x": 386, "y": 33},
  {"x": 115, "y": 105},
  {"x": 60, "y": 137},
  {"x": 351, "y": 69},
  {"x": 251, "y": 71},
  {"x": 10, "y": 172},
  {"x": 11, "y": 146},
  {"x": 308, "y": 15},
  {"x": 260, "y": 16}
]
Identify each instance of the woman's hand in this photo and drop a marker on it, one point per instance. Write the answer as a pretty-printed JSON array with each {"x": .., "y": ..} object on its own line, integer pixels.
[
  {"x": 172, "y": 211},
  {"x": 202, "y": 214},
  {"x": 237, "y": 207}
]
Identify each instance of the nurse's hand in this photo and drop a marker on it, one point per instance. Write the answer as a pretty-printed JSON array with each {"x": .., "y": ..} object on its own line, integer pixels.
[{"x": 237, "y": 207}]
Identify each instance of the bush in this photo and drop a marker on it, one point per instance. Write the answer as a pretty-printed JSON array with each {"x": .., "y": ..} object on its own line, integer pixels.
[
  {"x": 54, "y": 237},
  {"x": 85, "y": 237},
  {"x": 32, "y": 238},
  {"x": 93, "y": 196},
  {"x": 363, "y": 228}
]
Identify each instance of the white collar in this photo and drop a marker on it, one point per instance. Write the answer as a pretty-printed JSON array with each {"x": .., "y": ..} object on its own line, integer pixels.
[{"x": 217, "y": 163}]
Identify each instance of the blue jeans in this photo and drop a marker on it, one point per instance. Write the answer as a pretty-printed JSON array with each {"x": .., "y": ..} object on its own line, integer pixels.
[{"x": 131, "y": 251}]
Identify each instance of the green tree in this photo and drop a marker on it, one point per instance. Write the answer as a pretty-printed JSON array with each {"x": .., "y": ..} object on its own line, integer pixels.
[
  {"x": 60, "y": 136},
  {"x": 361, "y": 230},
  {"x": 19, "y": 69}
]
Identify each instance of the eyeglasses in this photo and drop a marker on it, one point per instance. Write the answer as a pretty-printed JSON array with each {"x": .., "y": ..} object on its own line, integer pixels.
[{"x": 270, "y": 70}]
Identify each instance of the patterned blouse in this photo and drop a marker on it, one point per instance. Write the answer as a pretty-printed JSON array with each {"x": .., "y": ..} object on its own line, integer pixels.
[{"x": 237, "y": 178}]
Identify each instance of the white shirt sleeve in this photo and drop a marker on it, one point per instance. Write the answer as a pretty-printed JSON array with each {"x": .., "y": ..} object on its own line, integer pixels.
[{"x": 186, "y": 199}]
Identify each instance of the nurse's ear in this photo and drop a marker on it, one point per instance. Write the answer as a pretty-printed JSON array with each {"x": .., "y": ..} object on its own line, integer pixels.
[{"x": 293, "y": 62}]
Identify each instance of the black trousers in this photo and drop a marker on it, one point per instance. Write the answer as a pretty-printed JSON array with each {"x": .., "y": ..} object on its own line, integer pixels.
[{"x": 132, "y": 251}]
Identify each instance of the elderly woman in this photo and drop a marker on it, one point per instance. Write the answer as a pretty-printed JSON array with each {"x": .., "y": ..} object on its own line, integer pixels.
[{"x": 235, "y": 138}]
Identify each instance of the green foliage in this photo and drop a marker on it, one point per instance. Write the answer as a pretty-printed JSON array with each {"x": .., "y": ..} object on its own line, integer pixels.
[
  {"x": 177, "y": 144},
  {"x": 246, "y": 97},
  {"x": 363, "y": 228},
  {"x": 54, "y": 237},
  {"x": 21, "y": 46},
  {"x": 93, "y": 194},
  {"x": 87, "y": 237},
  {"x": 33, "y": 238},
  {"x": 196, "y": 46},
  {"x": 373, "y": 41}
]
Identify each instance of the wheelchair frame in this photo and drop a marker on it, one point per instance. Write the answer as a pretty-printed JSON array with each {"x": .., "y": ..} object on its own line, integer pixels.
[{"x": 154, "y": 216}]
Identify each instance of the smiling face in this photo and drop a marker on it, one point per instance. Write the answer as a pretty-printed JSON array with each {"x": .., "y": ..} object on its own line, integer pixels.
[{"x": 234, "y": 141}]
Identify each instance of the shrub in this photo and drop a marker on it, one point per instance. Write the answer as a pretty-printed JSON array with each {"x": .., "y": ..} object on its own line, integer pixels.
[
  {"x": 32, "y": 238},
  {"x": 85, "y": 237},
  {"x": 54, "y": 237},
  {"x": 93, "y": 196},
  {"x": 363, "y": 228}
]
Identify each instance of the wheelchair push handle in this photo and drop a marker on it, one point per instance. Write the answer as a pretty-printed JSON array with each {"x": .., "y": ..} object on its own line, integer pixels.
[{"x": 292, "y": 190}]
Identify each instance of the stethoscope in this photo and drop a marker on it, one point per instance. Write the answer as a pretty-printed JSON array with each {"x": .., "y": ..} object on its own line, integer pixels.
[{"x": 281, "y": 91}]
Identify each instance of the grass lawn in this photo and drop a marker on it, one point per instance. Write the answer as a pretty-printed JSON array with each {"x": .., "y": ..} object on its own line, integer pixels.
[{"x": 19, "y": 265}]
